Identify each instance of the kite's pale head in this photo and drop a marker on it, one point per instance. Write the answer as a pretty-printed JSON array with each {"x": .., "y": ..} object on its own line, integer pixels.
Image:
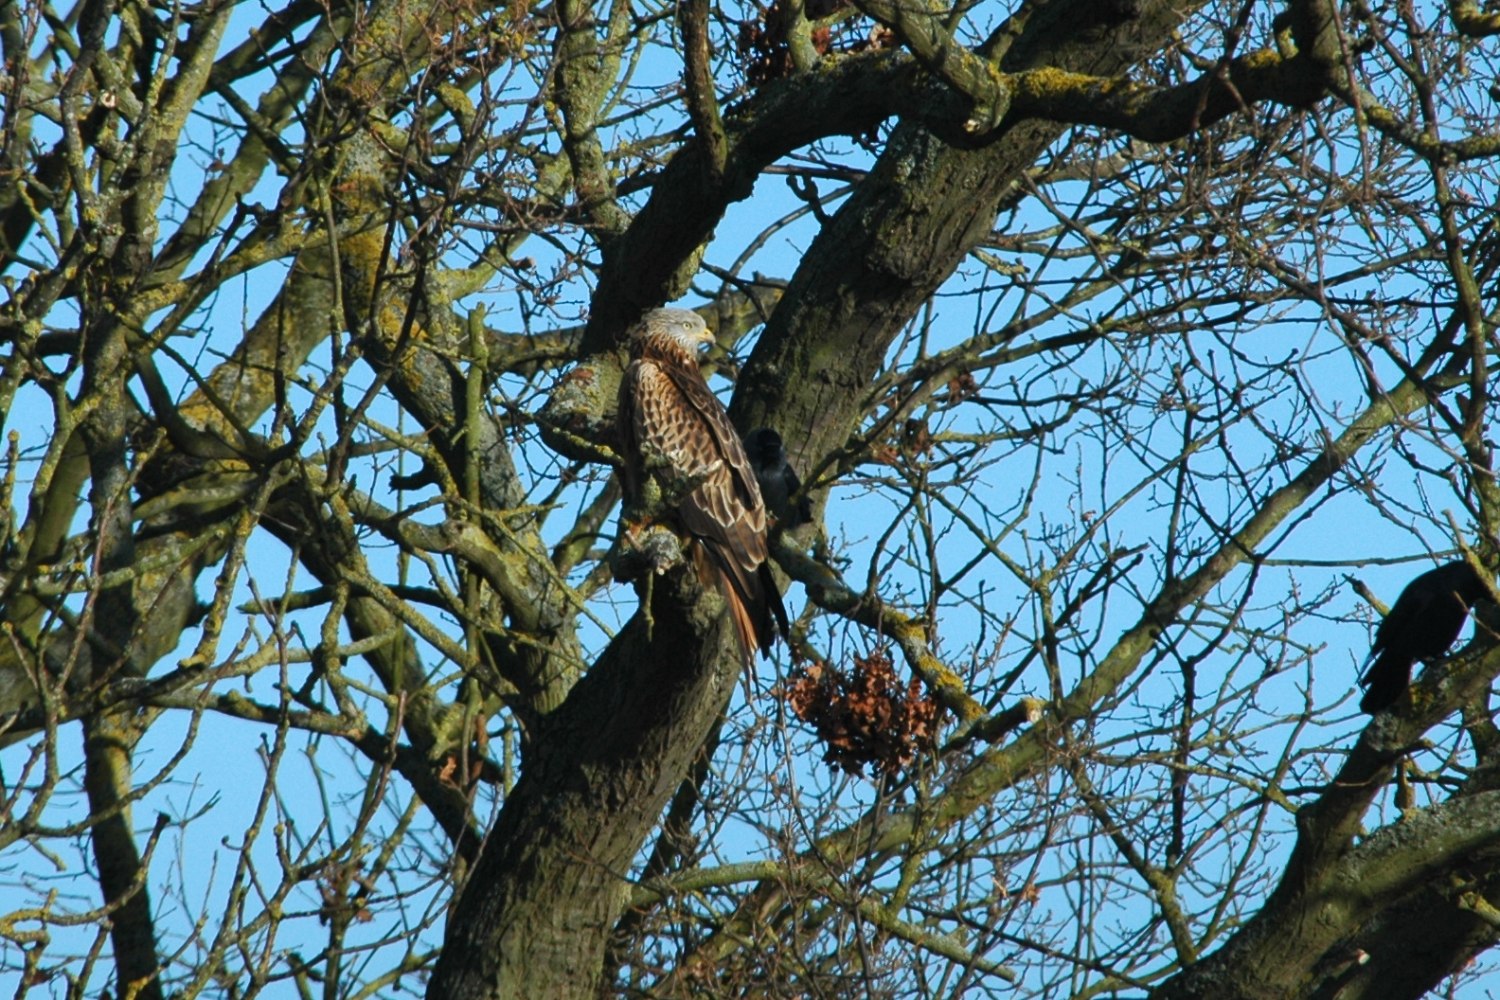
[{"x": 684, "y": 327}]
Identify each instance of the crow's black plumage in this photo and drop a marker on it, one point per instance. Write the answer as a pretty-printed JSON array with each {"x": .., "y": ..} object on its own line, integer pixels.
[
  {"x": 778, "y": 481},
  {"x": 1422, "y": 624}
]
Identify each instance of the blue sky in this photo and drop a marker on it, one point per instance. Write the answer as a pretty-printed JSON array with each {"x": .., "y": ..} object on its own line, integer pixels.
[{"x": 1297, "y": 380}]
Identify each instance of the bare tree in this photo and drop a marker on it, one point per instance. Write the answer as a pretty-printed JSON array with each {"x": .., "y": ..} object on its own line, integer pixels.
[{"x": 1128, "y": 355}]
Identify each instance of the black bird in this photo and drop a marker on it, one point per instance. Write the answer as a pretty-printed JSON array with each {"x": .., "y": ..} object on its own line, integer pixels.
[
  {"x": 1422, "y": 624},
  {"x": 778, "y": 480}
]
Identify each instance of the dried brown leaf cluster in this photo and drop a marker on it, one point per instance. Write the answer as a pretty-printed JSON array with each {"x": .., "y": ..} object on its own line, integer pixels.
[
  {"x": 763, "y": 47},
  {"x": 961, "y": 387},
  {"x": 864, "y": 716},
  {"x": 762, "y": 42}
]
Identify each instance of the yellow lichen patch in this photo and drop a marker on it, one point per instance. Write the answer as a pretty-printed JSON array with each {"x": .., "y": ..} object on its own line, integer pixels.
[
  {"x": 1261, "y": 60},
  {"x": 1049, "y": 83}
]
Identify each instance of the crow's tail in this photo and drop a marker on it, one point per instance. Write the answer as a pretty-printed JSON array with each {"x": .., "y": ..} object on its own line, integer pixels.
[{"x": 1384, "y": 681}]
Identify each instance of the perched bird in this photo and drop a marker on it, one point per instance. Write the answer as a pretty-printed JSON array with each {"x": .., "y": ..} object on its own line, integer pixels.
[
  {"x": 670, "y": 418},
  {"x": 778, "y": 480},
  {"x": 1422, "y": 624}
]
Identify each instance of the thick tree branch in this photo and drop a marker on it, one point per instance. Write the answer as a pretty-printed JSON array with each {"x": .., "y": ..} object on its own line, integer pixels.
[
  {"x": 1470, "y": 19},
  {"x": 702, "y": 102},
  {"x": 920, "y": 28}
]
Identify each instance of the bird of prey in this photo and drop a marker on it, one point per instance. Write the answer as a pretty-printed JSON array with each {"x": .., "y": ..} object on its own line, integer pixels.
[
  {"x": 669, "y": 418},
  {"x": 1422, "y": 624},
  {"x": 778, "y": 480}
]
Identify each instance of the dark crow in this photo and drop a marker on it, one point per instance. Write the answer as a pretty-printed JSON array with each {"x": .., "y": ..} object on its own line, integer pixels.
[
  {"x": 1423, "y": 623},
  {"x": 778, "y": 480}
]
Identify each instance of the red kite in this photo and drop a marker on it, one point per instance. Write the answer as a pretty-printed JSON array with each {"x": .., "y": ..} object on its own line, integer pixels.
[{"x": 670, "y": 417}]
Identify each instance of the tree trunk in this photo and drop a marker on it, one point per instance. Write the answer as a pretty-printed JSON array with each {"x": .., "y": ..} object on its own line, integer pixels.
[{"x": 536, "y": 913}]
